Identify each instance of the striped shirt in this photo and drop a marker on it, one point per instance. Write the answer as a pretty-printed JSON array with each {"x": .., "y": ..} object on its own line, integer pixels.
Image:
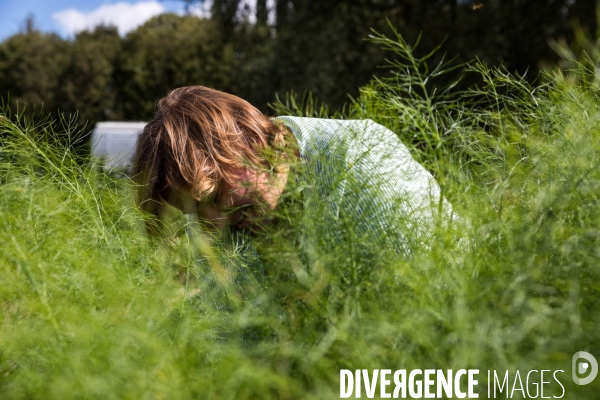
[{"x": 367, "y": 179}]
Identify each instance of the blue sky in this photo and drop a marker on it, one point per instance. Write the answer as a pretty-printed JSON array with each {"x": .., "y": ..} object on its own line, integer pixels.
[{"x": 67, "y": 16}]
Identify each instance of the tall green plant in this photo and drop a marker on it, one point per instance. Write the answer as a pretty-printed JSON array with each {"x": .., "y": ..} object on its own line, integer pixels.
[{"x": 90, "y": 308}]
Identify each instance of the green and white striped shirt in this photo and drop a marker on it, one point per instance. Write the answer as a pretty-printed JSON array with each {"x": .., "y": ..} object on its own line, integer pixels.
[{"x": 367, "y": 179}]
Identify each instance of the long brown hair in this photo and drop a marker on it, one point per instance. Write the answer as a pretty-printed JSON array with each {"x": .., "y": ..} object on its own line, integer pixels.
[{"x": 198, "y": 137}]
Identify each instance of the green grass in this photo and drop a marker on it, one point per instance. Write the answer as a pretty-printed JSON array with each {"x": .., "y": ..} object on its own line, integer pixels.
[{"x": 91, "y": 308}]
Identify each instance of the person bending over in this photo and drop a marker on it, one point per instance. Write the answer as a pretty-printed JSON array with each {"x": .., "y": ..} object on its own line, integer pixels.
[{"x": 212, "y": 154}]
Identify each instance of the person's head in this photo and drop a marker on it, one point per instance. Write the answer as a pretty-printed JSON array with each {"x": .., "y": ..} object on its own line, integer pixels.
[{"x": 201, "y": 154}]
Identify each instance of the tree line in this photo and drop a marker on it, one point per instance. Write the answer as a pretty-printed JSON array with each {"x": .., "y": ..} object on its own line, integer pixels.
[{"x": 309, "y": 45}]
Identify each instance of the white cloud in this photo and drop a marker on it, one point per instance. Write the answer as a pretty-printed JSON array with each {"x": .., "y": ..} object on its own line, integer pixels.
[{"x": 125, "y": 16}]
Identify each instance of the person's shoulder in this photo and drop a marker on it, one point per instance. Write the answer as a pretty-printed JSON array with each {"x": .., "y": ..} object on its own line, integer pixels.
[
  {"x": 287, "y": 119},
  {"x": 301, "y": 123},
  {"x": 311, "y": 127},
  {"x": 338, "y": 128}
]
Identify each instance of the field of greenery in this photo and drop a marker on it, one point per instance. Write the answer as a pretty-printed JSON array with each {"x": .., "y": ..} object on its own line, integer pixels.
[{"x": 90, "y": 307}]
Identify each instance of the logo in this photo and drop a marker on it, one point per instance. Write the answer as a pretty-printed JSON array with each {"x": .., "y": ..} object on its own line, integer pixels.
[{"x": 581, "y": 367}]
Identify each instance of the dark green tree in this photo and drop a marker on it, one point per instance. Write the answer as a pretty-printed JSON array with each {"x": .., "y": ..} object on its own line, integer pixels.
[
  {"x": 320, "y": 45},
  {"x": 31, "y": 65},
  {"x": 167, "y": 52},
  {"x": 88, "y": 82},
  {"x": 262, "y": 13},
  {"x": 224, "y": 13}
]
